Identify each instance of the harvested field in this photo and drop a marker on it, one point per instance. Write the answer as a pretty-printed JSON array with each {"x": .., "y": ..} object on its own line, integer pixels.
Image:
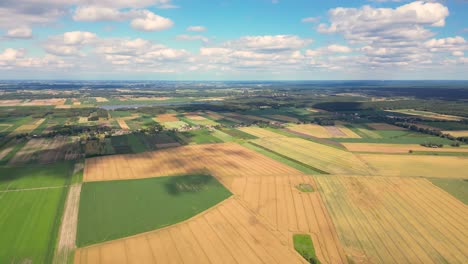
[
  {"x": 260, "y": 132},
  {"x": 47, "y": 150},
  {"x": 459, "y": 133},
  {"x": 214, "y": 115},
  {"x": 418, "y": 165},
  {"x": 122, "y": 124},
  {"x": 324, "y": 131},
  {"x": 277, "y": 200},
  {"x": 42, "y": 102},
  {"x": 5, "y": 152},
  {"x": 384, "y": 126},
  {"x": 14, "y": 102},
  {"x": 324, "y": 158},
  {"x": 63, "y": 106},
  {"x": 227, "y": 233},
  {"x": 227, "y": 159},
  {"x": 29, "y": 127},
  {"x": 166, "y": 118},
  {"x": 427, "y": 114},
  {"x": 200, "y": 120},
  {"x": 195, "y": 117},
  {"x": 101, "y": 99},
  {"x": 396, "y": 220},
  {"x": 67, "y": 234},
  {"x": 285, "y": 118},
  {"x": 396, "y": 148}
]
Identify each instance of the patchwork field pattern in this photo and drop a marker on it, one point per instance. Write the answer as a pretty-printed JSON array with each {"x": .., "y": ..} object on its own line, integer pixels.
[
  {"x": 384, "y": 126},
  {"x": 324, "y": 131},
  {"x": 324, "y": 158},
  {"x": 29, "y": 127},
  {"x": 285, "y": 118},
  {"x": 396, "y": 148},
  {"x": 260, "y": 132},
  {"x": 396, "y": 220},
  {"x": 288, "y": 210},
  {"x": 46, "y": 150},
  {"x": 227, "y": 159},
  {"x": 166, "y": 118},
  {"x": 226, "y": 233},
  {"x": 418, "y": 165}
]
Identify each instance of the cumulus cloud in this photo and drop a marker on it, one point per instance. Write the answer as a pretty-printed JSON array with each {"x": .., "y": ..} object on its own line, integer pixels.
[
  {"x": 19, "y": 32},
  {"x": 269, "y": 44},
  {"x": 151, "y": 22},
  {"x": 97, "y": 13},
  {"x": 185, "y": 37},
  {"x": 69, "y": 43},
  {"x": 196, "y": 29}
]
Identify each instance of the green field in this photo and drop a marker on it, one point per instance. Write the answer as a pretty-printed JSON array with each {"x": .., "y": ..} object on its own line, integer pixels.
[
  {"x": 304, "y": 246},
  {"x": 115, "y": 209},
  {"x": 34, "y": 176},
  {"x": 29, "y": 219},
  {"x": 456, "y": 187},
  {"x": 199, "y": 137}
]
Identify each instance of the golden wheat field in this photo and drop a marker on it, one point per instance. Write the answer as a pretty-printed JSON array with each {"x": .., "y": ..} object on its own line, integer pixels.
[
  {"x": 227, "y": 233},
  {"x": 260, "y": 132},
  {"x": 324, "y": 131},
  {"x": 418, "y": 165},
  {"x": 459, "y": 133},
  {"x": 324, "y": 158},
  {"x": 396, "y": 220},
  {"x": 277, "y": 199},
  {"x": 396, "y": 148},
  {"x": 227, "y": 159},
  {"x": 166, "y": 118}
]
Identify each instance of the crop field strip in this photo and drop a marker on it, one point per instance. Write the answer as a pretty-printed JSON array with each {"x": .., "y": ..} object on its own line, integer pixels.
[
  {"x": 324, "y": 131},
  {"x": 459, "y": 133},
  {"x": 260, "y": 132},
  {"x": 418, "y": 165},
  {"x": 324, "y": 158},
  {"x": 397, "y": 148},
  {"x": 396, "y": 220},
  {"x": 166, "y": 118},
  {"x": 227, "y": 159},
  {"x": 27, "y": 128},
  {"x": 226, "y": 233},
  {"x": 427, "y": 114},
  {"x": 46, "y": 150},
  {"x": 288, "y": 210},
  {"x": 123, "y": 124},
  {"x": 384, "y": 126}
]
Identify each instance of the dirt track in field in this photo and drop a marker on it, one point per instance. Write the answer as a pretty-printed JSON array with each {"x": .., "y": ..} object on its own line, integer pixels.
[
  {"x": 396, "y": 220},
  {"x": 226, "y": 233},
  {"x": 67, "y": 235}
]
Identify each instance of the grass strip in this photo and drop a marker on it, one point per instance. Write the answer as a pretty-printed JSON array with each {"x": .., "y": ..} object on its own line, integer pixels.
[{"x": 304, "y": 246}]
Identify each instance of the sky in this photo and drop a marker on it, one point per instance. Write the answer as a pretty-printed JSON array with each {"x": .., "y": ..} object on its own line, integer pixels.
[{"x": 233, "y": 39}]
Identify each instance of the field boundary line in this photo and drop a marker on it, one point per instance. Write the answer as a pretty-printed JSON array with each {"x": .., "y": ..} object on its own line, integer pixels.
[{"x": 35, "y": 189}]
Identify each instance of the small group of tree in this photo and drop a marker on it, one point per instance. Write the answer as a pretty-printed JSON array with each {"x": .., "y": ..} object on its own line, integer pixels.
[{"x": 431, "y": 145}]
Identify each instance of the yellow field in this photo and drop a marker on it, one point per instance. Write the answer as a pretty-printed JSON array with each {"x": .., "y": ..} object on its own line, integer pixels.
[
  {"x": 101, "y": 99},
  {"x": 277, "y": 200},
  {"x": 324, "y": 131},
  {"x": 29, "y": 127},
  {"x": 227, "y": 233},
  {"x": 228, "y": 159},
  {"x": 418, "y": 165},
  {"x": 166, "y": 118},
  {"x": 122, "y": 124},
  {"x": 325, "y": 158},
  {"x": 396, "y": 148},
  {"x": 427, "y": 114},
  {"x": 459, "y": 133},
  {"x": 260, "y": 132},
  {"x": 396, "y": 220}
]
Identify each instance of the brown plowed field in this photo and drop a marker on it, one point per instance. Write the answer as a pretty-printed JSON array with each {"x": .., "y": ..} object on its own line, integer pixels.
[
  {"x": 221, "y": 160},
  {"x": 288, "y": 210},
  {"x": 227, "y": 233},
  {"x": 396, "y": 220}
]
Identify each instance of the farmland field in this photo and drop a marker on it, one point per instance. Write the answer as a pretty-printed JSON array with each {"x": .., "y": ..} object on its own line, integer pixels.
[
  {"x": 174, "y": 124},
  {"x": 115, "y": 209},
  {"x": 324, "y": 158},
  {"x": 427, "y": 114},
  {"x": 324, "y": 131},
  {"x": 457, "y": 133},
  {"x": 456, "y": 187},
  {"x": 396, "y": 220},
  {"x": 227, "y": 159},
  {"x": 226, "y": 233},
  {"x": 260, "y": 132},
  {"x": 418, "y": 165},
  {"x": 397, "y": 148}
]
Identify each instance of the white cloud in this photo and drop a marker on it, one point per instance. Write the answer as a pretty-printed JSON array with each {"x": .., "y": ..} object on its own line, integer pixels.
[
  {"x": 69, "y": 43},
  {"x": 310, "y": 20},
  {"x": 339, "y": 49},
  {"x": 196, "y": 29},
  {"x": 20, "y": 32},
  {"x": 151, "y": 22},
  {"x": 185, "y": 37},
  {"x": 96, "y": 13},
  {"x": 269, "y": 44}
]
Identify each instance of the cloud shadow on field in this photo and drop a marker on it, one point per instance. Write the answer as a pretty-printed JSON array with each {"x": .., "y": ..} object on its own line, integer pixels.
[{"x": 188, "y": 184}]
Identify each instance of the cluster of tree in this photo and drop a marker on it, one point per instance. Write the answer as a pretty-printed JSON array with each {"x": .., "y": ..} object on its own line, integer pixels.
[{"x": 431, "y": 145}]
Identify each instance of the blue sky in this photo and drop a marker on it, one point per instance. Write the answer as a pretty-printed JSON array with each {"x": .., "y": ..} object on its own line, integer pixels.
[{"x": 233, "y": 39}]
